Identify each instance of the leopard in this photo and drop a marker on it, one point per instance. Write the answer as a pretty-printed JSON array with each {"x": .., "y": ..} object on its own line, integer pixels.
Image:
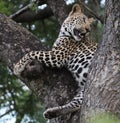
[{"x": 73, "y": 49}]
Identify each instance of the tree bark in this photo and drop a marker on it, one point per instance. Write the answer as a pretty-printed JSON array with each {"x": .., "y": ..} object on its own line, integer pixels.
[
  {"x": 29, "y": 15},
  {"x": 103, "y": 86},
  {"x": 59, "y": 9}
]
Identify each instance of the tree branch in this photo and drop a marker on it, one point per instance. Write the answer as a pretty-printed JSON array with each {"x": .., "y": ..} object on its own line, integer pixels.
[
  {"x": 7, "y": 112},
  {"x": 21, "y": 11},
  {"x": 26, "y": 8},
  {"x": 27, "y": 15},
  {"x": 58, "y": 9},
  {"x": 92, "y": 12},
  {"x": 30, "y": 16}
]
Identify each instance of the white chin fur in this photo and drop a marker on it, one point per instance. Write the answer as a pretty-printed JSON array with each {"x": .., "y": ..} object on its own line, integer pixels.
[{"x": 77, "y": 38}]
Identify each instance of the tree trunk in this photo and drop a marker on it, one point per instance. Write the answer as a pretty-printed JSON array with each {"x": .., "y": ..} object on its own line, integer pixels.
[{"x": 103, "y": 87}]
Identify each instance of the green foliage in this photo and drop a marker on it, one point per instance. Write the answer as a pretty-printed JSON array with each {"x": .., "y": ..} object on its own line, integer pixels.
[
  {"x": 17, "y": 100},
  {"x": 34, "y": 5},
  {"x": 104, "y": 118},
  {"x": 46, "y": 31},
  {"x": 96, "y": 31},
  {"x": 10, "y": 6},
  {"x": 5, "y": 7}
]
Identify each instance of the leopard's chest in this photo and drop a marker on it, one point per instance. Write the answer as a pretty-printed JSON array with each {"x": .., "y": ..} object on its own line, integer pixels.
[{"x": 78, "y": 64}]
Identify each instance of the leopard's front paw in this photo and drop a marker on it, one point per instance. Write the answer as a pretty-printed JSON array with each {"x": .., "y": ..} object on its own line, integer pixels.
[
  {"x": 52, "y": 113},
  {"x": 18, "y": 68}
]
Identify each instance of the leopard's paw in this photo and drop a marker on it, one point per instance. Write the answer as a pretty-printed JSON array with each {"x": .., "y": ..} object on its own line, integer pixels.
[
  {"x": 52, "y": 113},
  {"x": 18, "y": 68}
]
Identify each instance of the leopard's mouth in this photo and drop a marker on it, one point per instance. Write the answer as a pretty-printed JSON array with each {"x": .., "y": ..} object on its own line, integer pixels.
[{"x": 79, "y": 34}]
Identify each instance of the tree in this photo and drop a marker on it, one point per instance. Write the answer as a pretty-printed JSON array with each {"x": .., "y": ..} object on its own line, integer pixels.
[
  {"x": 48, "y": 83},
  {"x": 104, "y": 79}
]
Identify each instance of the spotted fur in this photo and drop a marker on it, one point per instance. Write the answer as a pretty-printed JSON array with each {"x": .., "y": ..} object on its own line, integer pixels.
[{"x": 72, "y": 49}]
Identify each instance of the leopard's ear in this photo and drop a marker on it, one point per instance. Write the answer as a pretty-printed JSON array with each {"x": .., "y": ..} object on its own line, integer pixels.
[{"x": 76, "y": 8}]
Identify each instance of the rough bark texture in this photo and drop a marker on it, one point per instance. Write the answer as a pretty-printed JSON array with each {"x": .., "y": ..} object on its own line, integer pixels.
[
  {"x": 103, "y": 87},
  {"x": 59, "y": 9},
  {"x": 29, "y": 16}
]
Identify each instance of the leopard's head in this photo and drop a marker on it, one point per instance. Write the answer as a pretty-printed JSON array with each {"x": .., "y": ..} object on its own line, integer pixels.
[{"x": 76, "y": 25}]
